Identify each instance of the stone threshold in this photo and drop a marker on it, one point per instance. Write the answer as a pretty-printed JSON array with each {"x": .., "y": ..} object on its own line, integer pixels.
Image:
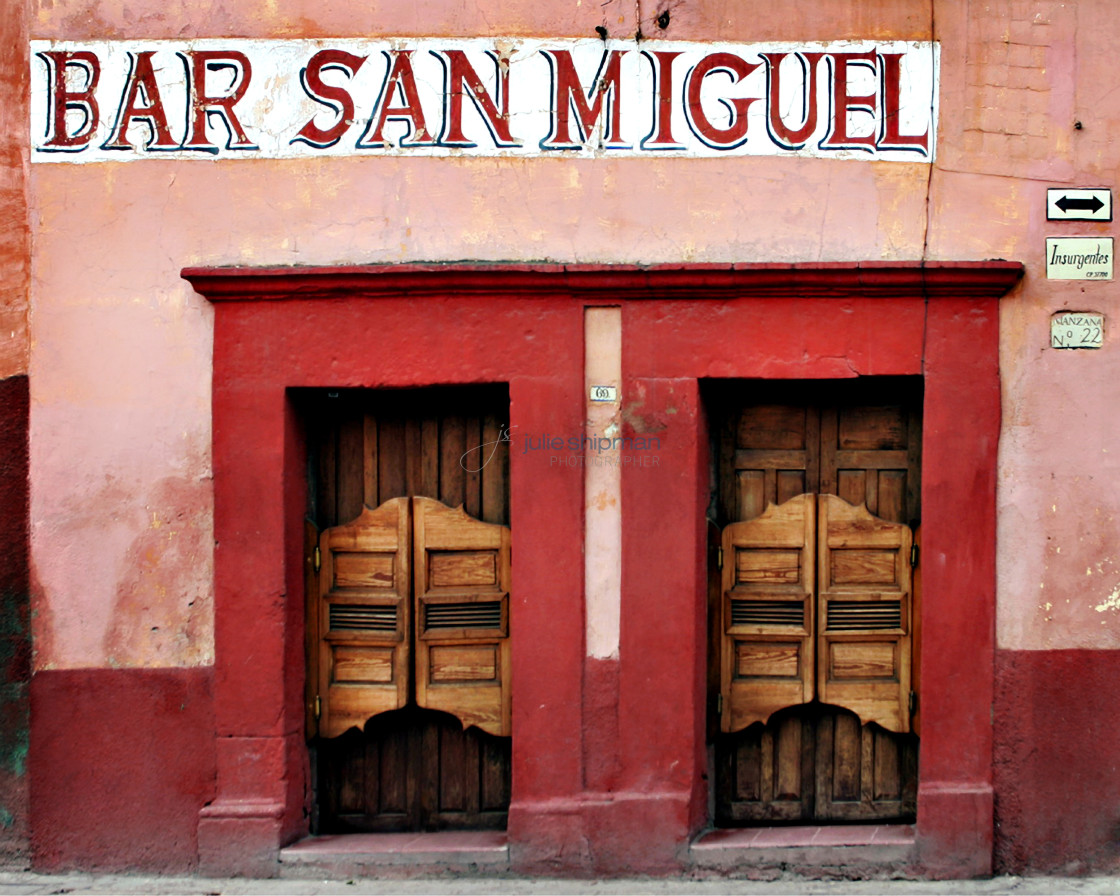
[
  {"x": 844, "y": 850},
  {"x": 343, "y": 855},
  {"x": 815, "y": 851}
]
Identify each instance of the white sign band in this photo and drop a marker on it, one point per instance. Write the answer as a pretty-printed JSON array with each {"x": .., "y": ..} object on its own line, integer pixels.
[{"x": 205, "y": 99}]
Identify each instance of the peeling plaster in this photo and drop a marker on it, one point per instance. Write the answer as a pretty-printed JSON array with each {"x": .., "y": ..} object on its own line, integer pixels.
[{"x": 1112, "y": 602}]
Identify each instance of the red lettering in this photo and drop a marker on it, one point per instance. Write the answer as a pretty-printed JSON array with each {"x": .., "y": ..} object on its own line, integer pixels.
[
  {"x": 201, "y": 104},
  {"x": 63, "y": 100},
  {"x": 891, "y": 138},
  {"x": 784, "y": 136},
  {"x": 462, "y": 80},
  {"x": 843, "y": 102},
  {"x": 661, "y": 137},
  {"x": 736, "y": 132},
  {"x": 336, "y": 98},
  {"x": 568, "y": 96},
  {"x": 142, "y": 102},
  {"x": 400, "y": 78}
]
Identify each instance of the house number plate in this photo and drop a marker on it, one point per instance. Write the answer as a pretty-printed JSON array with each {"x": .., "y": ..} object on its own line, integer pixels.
[{"x": 1077, "y": 329}]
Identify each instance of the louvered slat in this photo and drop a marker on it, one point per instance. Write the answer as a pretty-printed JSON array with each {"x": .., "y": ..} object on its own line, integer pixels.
[
  {"x": 846, "y": 615},
  {"x": 480, "y": 614},
  {"x": 363, "y": 617},
  {"x": 767, "y": 612}
]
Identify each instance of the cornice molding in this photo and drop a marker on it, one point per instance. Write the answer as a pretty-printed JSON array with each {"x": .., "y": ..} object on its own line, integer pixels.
[{"x": 945, "y": 279}]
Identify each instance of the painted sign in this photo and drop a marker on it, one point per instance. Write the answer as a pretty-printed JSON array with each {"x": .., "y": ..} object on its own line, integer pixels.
[
  {"x": 205, "y": 99},
  {"x": 1079, "y": 258},
  {"x": 1078, "y": 205},
  {"x": 1077, "y": 329}
]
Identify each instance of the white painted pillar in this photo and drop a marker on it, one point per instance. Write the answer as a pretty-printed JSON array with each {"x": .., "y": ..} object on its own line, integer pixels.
[{"x": 602, "y": 329}]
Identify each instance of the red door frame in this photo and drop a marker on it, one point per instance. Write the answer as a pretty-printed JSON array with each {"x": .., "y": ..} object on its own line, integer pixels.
[{"x": 605, "y": 778}]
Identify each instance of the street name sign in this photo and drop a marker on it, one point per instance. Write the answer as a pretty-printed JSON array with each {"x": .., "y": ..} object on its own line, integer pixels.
[{"x": 1079, "y": 258}]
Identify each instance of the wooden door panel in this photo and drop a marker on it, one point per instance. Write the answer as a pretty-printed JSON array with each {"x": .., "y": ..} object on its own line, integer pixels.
[
  {"x": 494, "y": 778},
  {"x": 404, "y": 771},
  {"x": 815, "y": 762},
  {"x": 870, "y": 455},
  {"x": 765, "y": 772},
  {"x": 389, "y": 451},
  {"x": 790, "y": 740},
  {"x": 461, "y": 591},
  {"x": 872, "y": 428},
  {"x": 363, "y": 785},
  {"x": 776, "y": 426},
  {"x": 367, "y": 447},
  {"x": 860, "y": 441},
  {"x": 768, "y": 620},
  {"x": 364, "y": 617},
  {"x": 413, "y": 769},
  {"x": 891, "y": 498},
  {"x": 351, "y": 447},
  {"x": 862, "y": 771},
  {"x": 863, "y": 627},
  {"x": 455, "y": 753},
  {"x": 473, "y": 772},
  {"x": 772, "y": 454}
]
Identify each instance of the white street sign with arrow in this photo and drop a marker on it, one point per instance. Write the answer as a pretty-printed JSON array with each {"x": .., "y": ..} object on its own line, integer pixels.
[{"x": 1064, "y": 204}]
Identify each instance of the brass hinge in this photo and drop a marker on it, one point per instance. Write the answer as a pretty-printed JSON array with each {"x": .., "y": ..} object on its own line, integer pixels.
[
  {"x": 318, "y": 707},
  {"x": 913, "y": 556},
  {"x": 719, "y": 557},
  {"x": 316, "y": 559}
]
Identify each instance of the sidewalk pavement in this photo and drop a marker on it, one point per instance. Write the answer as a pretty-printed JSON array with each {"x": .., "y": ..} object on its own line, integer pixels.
[{"x": 30, "y": 884}]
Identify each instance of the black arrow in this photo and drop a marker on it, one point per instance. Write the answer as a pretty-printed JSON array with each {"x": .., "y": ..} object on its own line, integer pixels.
[{"x": 1093, "y": 205}]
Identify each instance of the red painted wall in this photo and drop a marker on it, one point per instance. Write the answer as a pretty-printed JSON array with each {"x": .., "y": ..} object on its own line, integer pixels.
[
  {"x": 609, "y": 756},
  {"x": 827, "y": 338},
  {"x": 610, "y": 764},
  {"x": 15, "y": 622},
  {"x": 1057, "y": 761},
  {"x": 606, "y": 779},
  {"x": 534, "y": 345},
  {"x": 122, "y": 761}
]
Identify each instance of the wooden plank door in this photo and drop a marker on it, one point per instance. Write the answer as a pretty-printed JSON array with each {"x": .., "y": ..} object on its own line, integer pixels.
[
  {"x": 766, "y": 773},
  {"x": 863, "y": 772},
  {"x": 860, "y": 441},
  {"x": 871, "y": 456},
  {"x": 413, "y": 768},
  {"x": 871, "y": 453}
]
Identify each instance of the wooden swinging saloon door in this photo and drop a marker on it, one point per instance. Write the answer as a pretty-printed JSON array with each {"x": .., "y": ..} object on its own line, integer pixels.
[
  {"x": 413, "y": 600},
  {"x": 408, "y": 642},
  {"x": 813, "y": 603}
]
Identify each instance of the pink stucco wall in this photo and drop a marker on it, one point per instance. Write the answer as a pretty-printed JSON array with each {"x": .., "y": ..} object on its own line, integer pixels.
[
  {"x": 120, "y": 357},
  {"x": 120, "y": 354}
]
